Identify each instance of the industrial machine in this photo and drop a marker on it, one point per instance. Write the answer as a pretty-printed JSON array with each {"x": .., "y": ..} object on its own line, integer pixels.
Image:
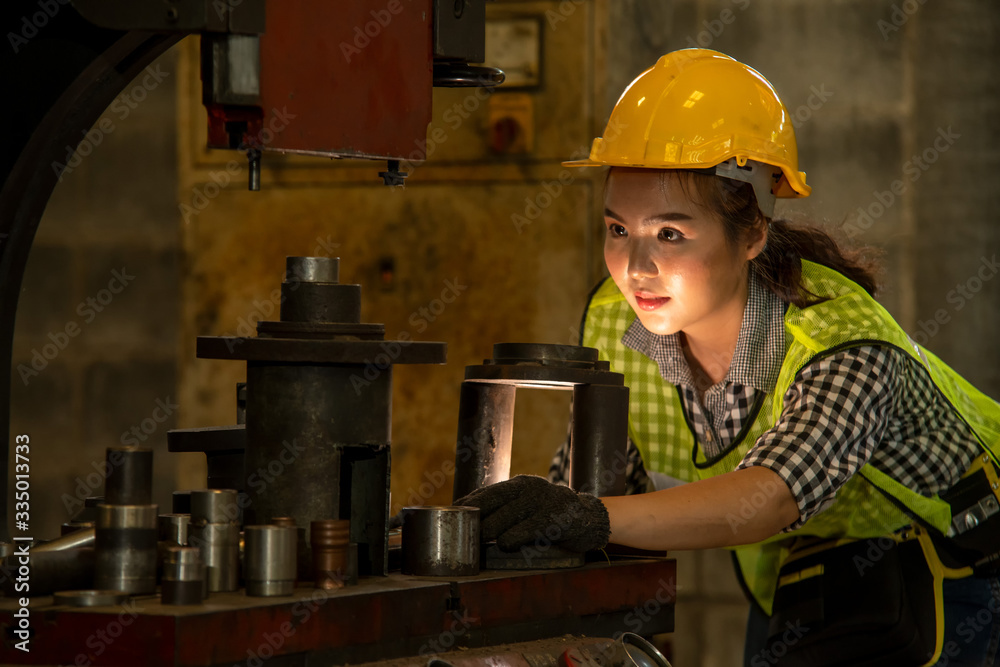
[{"x": 227, "y": 558}]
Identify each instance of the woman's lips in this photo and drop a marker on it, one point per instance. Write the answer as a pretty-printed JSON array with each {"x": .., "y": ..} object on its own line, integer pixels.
[{"x": 650, "y": 302}]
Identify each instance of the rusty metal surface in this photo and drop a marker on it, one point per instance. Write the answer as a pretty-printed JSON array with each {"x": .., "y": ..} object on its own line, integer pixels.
[{"x": 381, "y": 618}]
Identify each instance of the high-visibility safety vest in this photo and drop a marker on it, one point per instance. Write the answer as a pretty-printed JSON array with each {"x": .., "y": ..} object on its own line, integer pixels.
[{"x": 849, "y": 318}]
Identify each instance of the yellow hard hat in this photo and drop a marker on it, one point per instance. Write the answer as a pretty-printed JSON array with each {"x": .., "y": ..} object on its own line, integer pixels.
[{"x": 700, "y": 109}]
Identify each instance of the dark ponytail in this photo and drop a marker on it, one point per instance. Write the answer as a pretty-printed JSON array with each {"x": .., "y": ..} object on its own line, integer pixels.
[{"x": 780, "y": 263}]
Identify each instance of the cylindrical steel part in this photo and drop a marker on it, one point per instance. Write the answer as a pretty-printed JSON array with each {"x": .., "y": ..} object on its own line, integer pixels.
[
  {"x": 269, "y": 560},
  {"x": 74, "y": 540},
  {"x": 320, "y": 302},
  {"x": 440, "y": 541},
  {"x": 173, "y": 528},
  {"x": 183, "y": 576},
  {"x": 214, "y": 506},
  {"x": 219, "y": 544},
  {"x": 125, "y": 548},
  {"x": 129, "y": 478},
  {"x": 598, "y": 439},
  {"x": 485, "y": 432},
  {"x": 330, "y": 540},
  {"x": 312, "y": 269}
]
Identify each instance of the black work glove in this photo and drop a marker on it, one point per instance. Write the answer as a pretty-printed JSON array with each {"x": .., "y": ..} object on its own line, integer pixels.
[{"x": 528, "y": 509}]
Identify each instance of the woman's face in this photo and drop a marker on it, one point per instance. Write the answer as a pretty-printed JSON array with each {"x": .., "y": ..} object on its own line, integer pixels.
[{"x": 669, "y": 256}]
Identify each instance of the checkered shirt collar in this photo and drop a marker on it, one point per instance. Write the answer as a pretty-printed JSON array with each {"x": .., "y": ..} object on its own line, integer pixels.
[{"x": 760, "y": 347}]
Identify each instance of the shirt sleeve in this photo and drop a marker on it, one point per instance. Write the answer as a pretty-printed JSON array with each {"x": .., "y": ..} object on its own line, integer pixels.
[{"x": 833, "y": 417}]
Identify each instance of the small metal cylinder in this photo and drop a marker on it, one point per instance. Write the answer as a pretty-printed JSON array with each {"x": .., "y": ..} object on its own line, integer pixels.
[
  {"x": 312, "y": 269},
  {"x": 183, "y": 576},
  {"x": 125, "y": 548},
  {"x": 173, "y": 528},
  {"x": 440, "y": 541},
  {"x": 270, "y": 560},
  {"x": 129, "y": 478},
  {"x": 217, "y": 536},
  {"x": 214, "y": 505},
  {"x": 330, "y": 540}
]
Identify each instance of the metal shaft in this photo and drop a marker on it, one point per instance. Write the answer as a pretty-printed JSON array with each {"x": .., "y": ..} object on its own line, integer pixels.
[
  {"x": 125, "y": 548},
  {"x": 598, "y": 440},
  {"x": 485, "y": 433},
  {"x": 129, "y": 476},
  {"x": 330, "y": 540},
  {"x": 270, "y": 560},
  {"x": 78, "y": 538}
]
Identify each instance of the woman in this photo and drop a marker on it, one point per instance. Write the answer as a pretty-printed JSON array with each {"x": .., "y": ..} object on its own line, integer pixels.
[{"x": 762, "y": 372}]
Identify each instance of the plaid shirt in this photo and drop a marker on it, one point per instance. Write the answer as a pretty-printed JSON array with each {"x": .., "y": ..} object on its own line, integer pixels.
[{"x": 869, "y": 404}]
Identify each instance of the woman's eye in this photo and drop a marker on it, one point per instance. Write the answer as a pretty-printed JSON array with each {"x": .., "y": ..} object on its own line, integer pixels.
[
  {"x": 668, "y": 234},
  {"x": 616, "y": 230}
]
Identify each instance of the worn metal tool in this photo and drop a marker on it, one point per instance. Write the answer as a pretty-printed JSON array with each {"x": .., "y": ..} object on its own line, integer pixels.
[
  {"x": 214, "y": 531},
  {"x": 270, "y": 560},
  {"x": 440, "y": 541}
]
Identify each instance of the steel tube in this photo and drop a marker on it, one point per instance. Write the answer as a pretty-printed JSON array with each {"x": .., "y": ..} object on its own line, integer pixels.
[
  {"x": 183, "y": 576},
  {"x": 214, "y": 530},
  {"x": 78, "y": 538},
  {"x": 130, "y": 476},
  {"x": 125, "y": 548},
  {"x": 270, "y": 560},
  {"x": 173, "y": 528},
  {"x": 330, "y": 542},
  {"x": 440, "y": 541},
  {"x": 598, "y": 439},
  {"x": 485, "y": 432}
]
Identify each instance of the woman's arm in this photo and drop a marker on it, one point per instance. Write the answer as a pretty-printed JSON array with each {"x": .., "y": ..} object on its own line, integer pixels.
[{"x": 739, "y": 507}]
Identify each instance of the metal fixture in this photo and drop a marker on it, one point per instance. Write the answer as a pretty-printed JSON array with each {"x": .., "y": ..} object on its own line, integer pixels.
[
  {"x": 330, "y": 540},
  {"x": 440, "y": 541},
  {"x": 89, "y": 598},
  {"x": 318, "y": 394},
  {"x": 486, "y": 415},
  {"x": 125, "y": 548}
]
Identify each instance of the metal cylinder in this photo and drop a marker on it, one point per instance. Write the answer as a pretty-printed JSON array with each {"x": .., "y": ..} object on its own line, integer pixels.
[
  {"x": 330, "y": 540},
  {"x": 440, "y": 541},
  {"x": 183, "y": 576},
  {"x": 129, "y": 478},
  {"x": 485, "y": 436},
  {"x": 74, "y": 540},
  {"x": 269, "y": 560},
  {"x": 214, "y": 505},
  {"x": 125, "y": 548},
  {"x": 312, "y": 269},
  {"x": 173, "y": 528},
  {"x": 598, "y": 439},
  {"x": 217, "y": 536}
]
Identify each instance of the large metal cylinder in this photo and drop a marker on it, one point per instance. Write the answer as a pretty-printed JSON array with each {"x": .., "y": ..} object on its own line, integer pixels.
[
  {"x": 129, "y": 478},
  {"x": 440, "y": 541},
  {"x": 599, "y": 439},
  {"x": 125, "y": 548},
  {"x": 269, "y": 560},
  {"x": 485, "y": 433}
]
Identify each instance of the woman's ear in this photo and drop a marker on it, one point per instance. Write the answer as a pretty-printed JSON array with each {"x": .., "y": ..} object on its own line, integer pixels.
[{"x": 756, "y": 239}]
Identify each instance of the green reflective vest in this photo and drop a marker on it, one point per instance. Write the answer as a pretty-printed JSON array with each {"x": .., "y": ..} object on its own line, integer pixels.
[{"x": 849, "y": 317}]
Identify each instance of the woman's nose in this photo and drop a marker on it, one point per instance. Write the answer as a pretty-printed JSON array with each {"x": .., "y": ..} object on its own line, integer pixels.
[{"x": 640, "y": 262}]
